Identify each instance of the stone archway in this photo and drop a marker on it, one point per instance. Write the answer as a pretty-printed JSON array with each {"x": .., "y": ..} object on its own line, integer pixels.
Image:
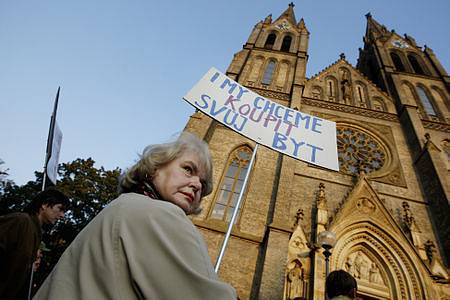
[{"x": 394, "y": 272}]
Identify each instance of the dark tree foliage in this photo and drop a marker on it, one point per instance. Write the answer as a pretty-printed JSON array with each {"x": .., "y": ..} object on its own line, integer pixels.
[
  {"x": 14, "y": 198},
  {"x": 4, "y": 181},
  {"x": 89, "y": 189}
]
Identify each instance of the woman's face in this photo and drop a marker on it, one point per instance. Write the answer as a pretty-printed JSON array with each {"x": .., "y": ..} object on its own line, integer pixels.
[{"x": 180, "y": 182}]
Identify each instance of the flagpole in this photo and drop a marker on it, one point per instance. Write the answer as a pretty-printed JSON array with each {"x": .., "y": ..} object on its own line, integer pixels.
[
  {"x": 30, "y": 288},
  {"x": 51, "y": 131},
  {"x": 235, "y": 212},
  {"x": 48, "y": 153}
]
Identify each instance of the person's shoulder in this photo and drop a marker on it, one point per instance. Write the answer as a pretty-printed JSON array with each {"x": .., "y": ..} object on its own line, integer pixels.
[
  {"x": 17, "y": 217},
  {"x": 143, "y": 204},
  {"x": 16, "y": 221}
]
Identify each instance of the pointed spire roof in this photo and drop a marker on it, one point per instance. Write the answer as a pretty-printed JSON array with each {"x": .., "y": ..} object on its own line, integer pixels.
[
  {"x": 289, "y": 14},
  {"x": 268, "y": 19},
  {"x": 375, "y": 29},
  {"x": 301, "y": 25}
]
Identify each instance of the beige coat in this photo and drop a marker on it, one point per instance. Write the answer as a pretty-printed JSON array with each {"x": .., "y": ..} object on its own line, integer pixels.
[{"x": 136, "y": 248}]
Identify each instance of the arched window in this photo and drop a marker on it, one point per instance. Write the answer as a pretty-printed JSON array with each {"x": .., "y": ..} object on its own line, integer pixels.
[
  {"x": 231, "y": 184},
  {"x": 330, "y": 88},
  {"x": 270, "y": 41},
  {"x": 282, "y": 75},
  {"x": 415, "y": 65},
  {"x": 360, "y": 95},
  {"x": 331, "y": 91},
  {"x": 397, "y": 62},
  {"x": 378, "y": 104},
  {"x": 255, "y": 70},
  {"x": 268, "y": 73},
  {"x": 426, "y": 102},
  {"x": 286, "y": 45}
]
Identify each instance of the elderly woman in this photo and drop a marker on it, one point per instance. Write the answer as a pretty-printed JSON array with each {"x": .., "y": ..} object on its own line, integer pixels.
[{"x": 142, "y": 245}]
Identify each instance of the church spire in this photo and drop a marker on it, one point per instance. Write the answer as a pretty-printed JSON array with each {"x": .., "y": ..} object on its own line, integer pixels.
[
  {"x": 301, "y": 25},
  {"x": 374, "y": 29},
  {"x": 289, "y": 14}
]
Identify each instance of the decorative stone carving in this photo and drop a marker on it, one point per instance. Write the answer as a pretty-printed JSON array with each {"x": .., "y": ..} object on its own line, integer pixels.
[
  {"x": 394, "y": 179},
  {"x": 298, "y": 217},
  {"x": 363, "y": 268},
  {"x": 298, "y": 263},
  {"x": 436, "y": 126},
  {"x": 366, "y": 205},
  {"x": 358, "y": 150},
  {"x": 321, "y": 200},
  {"x": 352, "y": 110},
  {"x": 430, "y": 248},
  {"x": 379, "y": 243},
  {"x": 408, "y": 218},
  {"x": 374, "y": 274},
  {"x": 322, "y": 210},
  {"x": 273, "y": 95},
  {"x": 295, "y": 281},
  {"x": 413, "y": 229},
  {"x": 349, "y": 265}
]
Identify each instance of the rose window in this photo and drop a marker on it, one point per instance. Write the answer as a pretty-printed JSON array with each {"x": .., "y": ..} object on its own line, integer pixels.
[{"x": 359, "y": 151}]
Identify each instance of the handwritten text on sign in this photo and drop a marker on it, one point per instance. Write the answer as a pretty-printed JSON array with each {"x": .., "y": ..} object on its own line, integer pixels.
[{"x": 281, "y": 128}]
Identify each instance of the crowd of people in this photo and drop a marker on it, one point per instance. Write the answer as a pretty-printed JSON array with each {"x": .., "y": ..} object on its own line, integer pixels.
[{"x": 141, "y": 246}]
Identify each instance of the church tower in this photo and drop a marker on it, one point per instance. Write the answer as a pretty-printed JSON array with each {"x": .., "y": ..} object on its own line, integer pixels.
[
  {"x": 389, "y": 203},
  {"x": 416, "y": 80}
]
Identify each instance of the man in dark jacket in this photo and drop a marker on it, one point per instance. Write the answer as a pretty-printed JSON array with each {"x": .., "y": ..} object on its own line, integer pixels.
[{"x": 20, "y": 237}]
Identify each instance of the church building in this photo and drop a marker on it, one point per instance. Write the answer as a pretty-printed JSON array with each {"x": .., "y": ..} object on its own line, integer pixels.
[{"x": 389, "y": 204}]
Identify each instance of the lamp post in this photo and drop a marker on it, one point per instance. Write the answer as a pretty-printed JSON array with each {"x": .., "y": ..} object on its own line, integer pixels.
[{"x": 327, "y": 240}]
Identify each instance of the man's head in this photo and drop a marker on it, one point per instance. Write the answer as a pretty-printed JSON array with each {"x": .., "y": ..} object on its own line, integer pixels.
[
  {"x": 342, "y": 283},
  {"x": 49, "y": 206}
]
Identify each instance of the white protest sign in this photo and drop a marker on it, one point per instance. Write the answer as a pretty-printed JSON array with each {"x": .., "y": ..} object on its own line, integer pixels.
[{"x": 281, "y": 128}]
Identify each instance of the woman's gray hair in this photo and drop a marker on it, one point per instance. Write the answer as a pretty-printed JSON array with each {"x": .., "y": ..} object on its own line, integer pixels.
[{"x": 156, "y": 156}]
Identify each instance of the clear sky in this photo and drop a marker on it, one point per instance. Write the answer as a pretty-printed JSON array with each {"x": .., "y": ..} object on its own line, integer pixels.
[{"x": 124, "y": 66}]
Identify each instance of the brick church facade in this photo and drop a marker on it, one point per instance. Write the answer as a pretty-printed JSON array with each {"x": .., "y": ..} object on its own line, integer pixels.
[{"x": 389, "y": 203}]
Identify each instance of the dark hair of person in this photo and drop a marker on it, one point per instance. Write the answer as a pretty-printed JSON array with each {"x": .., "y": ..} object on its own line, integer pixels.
[
  {"x": 51, "y": 197},
  {"x": 339, "y": 283}
]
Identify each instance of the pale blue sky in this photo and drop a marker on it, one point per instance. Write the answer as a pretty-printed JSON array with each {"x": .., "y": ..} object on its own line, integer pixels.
[{"x": 124, "y": 66}]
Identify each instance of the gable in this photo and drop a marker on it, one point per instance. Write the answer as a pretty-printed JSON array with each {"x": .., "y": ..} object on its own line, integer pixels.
[
  {"x": 342, "y": 83},
  {"x": 367, "y": 232}
]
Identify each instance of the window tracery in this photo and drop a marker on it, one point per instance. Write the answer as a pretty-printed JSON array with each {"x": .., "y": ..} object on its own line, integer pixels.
[
  {"x": 231, "y": 184},
  {"x": 358, "y": 151}
]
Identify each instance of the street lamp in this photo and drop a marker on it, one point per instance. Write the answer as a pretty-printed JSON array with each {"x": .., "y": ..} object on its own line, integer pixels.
[{"x": 327, "y": 240}]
